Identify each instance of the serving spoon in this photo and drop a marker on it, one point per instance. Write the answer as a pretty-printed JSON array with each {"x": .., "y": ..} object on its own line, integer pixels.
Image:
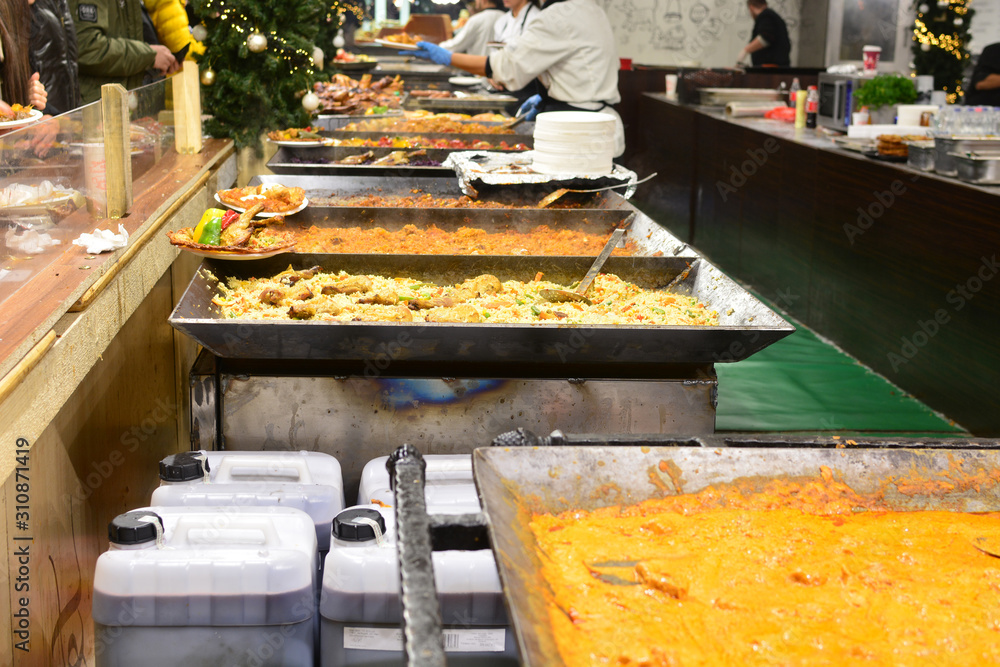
[{"x": 579, "y": 294}]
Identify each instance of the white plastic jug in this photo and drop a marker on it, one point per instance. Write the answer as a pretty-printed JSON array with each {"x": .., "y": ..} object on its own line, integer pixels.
[
  {"x": 309, "y": 481},
  {"x": 212, "y": 587},
  {"x": 360, "y": 600},
  {"x": 448, "y": 489}
]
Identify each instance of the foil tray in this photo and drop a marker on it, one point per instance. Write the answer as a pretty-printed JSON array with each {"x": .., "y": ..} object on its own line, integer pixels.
[{"x": 515, "y": 482}]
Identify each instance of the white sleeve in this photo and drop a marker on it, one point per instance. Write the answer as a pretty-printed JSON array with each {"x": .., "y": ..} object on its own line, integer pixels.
[{"x": 540, "y": 46}]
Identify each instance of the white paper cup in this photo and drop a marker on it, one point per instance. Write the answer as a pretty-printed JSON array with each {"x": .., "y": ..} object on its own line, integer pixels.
[{"x": 671, "y": 86}]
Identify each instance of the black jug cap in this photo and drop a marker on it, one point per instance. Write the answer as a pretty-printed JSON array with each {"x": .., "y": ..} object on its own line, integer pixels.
[
  {"x": 133, "y": 528},
  {"x": 346, "y": 526},
  {"x": 183, "y": 467}
]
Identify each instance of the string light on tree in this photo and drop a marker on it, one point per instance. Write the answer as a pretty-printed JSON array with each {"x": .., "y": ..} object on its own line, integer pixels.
[
  {"x": 940, "y": 39},
  {"x": 207, "y": 76}
]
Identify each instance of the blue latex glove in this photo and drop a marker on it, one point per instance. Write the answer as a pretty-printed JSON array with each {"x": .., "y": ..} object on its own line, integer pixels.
[
  {"x": 530, "y": 107},
  {"x": 430, "y": 51}
]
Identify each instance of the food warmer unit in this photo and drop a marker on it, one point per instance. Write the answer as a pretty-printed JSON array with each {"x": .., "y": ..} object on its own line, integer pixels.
[{"x": 355, "y": 390}]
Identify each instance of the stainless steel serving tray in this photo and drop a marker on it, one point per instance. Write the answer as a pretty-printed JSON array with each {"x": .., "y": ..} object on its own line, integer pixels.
[
  {"x": 288, "y": 160},
  {"x": 944, "y": 162},
  {"x": 607, "y": 208},
  {"x": 485, "y": 103},
  {"x": 513, "y": 483},
  {"x": 526, "y": 139},
  {"x": 746, "y": 325},
  {"x": 979, "y": 167}
]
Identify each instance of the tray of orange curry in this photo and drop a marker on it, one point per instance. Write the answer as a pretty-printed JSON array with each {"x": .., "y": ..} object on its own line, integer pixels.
[{"x": 680, "y": 555}]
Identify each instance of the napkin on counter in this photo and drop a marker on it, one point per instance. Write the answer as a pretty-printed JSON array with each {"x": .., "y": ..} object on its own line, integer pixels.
[{"x": 103, "y": 240}]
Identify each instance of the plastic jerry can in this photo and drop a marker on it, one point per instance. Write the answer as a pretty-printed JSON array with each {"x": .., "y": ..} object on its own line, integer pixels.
[
  {"x": 206, "y": 587},
  {"x": 360, "y": 606},
  {"x": 448, "y": 489},
  {"x": 309, "y": 481}
]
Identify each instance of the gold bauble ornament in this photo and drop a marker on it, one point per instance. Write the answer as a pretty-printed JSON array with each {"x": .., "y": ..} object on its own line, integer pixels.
[
  {"x": 207, "y": 76},
  {"x": 256, "y": 42}
]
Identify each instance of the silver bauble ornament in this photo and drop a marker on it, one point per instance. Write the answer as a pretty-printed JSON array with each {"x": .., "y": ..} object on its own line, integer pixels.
[
  {"x": 925, "y": 47},
  {"x": 199, "y": 32},
  {"x": 338, "y": 41},
  {"x": 310, "y": 101},
  {"x": 207, "y": 76},
  {"x": 923, "y": 9},
  {"x": 959, "y": 21},
  {"x": 942, "y": 3},
  {"x": 256, "y": 42}
]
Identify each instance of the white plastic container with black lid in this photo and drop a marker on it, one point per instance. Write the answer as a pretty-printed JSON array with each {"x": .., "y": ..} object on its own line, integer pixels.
[
  {"x": 448, "y": 488},
  {"x": 360, "y": 608},
  {"x": 309, "y": 481},
  {"x": 206, "y": 587}
]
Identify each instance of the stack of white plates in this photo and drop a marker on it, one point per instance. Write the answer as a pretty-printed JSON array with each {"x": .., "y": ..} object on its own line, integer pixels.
[{"x": 574, "y": 142}]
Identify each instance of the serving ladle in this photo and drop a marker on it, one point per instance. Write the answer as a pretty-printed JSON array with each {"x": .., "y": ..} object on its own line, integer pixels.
[
  {"x": 551, "y": 198},
  {"x": 579, "y": 294}
]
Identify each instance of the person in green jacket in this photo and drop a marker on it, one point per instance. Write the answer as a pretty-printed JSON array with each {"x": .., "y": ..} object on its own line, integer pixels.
[{"x": 111, "y": 48}]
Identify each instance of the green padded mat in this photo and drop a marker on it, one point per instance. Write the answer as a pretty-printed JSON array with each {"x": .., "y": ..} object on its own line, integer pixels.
[{"x": 804, "y": 384}]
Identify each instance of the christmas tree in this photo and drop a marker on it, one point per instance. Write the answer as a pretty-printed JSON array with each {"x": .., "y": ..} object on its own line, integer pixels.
[
  {"x": 331, "y": 20},
  {"x": 940, "y": 35},
  {"x": 257, "y": 65}
]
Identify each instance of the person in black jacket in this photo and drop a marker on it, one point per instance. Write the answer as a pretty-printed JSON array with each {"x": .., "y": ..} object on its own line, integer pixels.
[
  {"x": 769, "y": 43},
  {"x": 53, "y": 54},
  {"x": 984, "y": 88}
]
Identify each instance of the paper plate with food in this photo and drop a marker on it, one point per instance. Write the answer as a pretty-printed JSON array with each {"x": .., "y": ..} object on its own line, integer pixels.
[
  {"x": 298, "y": 137},
  {"x": 274, "y": 199},
  {"x": 231, "y": 235},
  {"x": 402, "y": 41},
  {"x": 19, "y": 116}
]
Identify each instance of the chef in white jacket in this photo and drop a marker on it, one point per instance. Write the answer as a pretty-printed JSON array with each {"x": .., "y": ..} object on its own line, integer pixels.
[
  {"x": 521, "y": 14},
  {"x": 477, "y": 31},
  {"x": 570, "y": 49}
]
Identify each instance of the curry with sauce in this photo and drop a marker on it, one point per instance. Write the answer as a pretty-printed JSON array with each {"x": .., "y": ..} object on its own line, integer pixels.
[{"x": 794, "y": 573}]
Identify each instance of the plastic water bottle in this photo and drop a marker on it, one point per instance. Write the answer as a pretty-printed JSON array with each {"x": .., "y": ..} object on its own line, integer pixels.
[{"x": 793, "y": 91}]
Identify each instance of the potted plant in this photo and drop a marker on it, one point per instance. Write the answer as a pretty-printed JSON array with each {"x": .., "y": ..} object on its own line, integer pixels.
[{"x": 882, "y": 93}]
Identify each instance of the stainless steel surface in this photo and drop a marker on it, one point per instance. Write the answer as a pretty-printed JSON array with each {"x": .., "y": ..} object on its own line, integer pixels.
[
  {"x": 203, "y": 389},
  {"x": 462, "y": 104},
  {"x": 745, "y": 324},
  {"x": 514, "y": 482},
  {"x": 982, "y": 168},
  {"x": 333, "y": 121},
  {"x": 367, "y": 415},
  {"x": 920, "y": 155},
  {"x": 944, "y": 161}
]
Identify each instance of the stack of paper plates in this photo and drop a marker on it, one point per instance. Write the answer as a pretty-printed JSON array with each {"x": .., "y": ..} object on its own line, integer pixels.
[{"x": 574, "y": 142}]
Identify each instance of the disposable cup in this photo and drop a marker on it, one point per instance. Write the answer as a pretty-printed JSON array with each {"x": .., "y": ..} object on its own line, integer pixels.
[
  {"x": 671, "y": 86},
  {"x": 871, "y": 54}
]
